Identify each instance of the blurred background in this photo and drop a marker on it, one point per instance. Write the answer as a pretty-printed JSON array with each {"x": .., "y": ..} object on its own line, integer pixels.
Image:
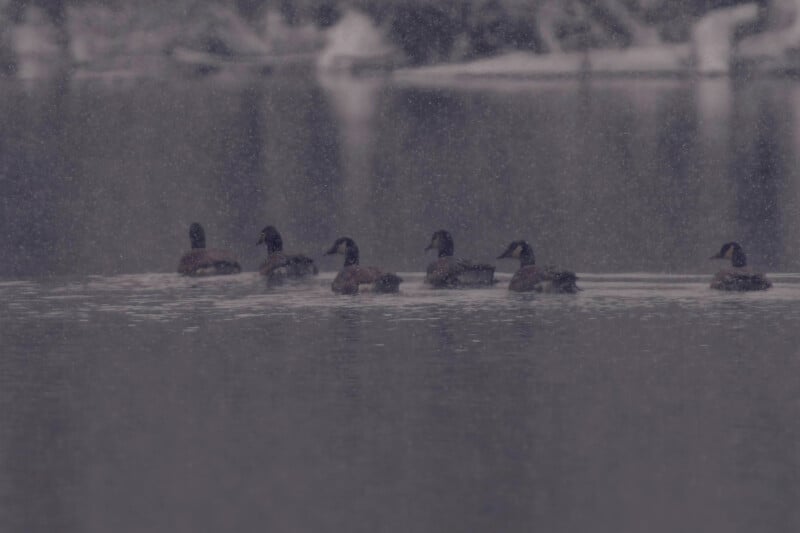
[
  {"x": 615, "y": 135},
  {"x": 149, "y": 38}
]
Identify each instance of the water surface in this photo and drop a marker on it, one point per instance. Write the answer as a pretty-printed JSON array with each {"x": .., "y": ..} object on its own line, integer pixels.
[
  {"x": 133, "y": 399},
  {"x": 155, "y": 402}
]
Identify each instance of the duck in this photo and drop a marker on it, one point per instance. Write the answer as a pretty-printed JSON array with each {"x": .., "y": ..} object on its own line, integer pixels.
[
  {"x": 202, "y": 261},
  {"x": 738, "y": 278},
  {"x": 447, "y": 272},
  {"x": 278, "y": 266},
  {"x": 353, "y": 276},
  {"x": 530, "y": 277}
]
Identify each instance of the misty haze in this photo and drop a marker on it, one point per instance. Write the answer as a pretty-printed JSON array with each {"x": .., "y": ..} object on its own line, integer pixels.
[{"x": 399, "y": 266}]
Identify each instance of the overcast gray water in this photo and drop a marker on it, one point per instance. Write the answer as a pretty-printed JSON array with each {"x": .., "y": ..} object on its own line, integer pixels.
[
  {"x": 160, "y": 403},
  {"x": 132, "y": 399}
]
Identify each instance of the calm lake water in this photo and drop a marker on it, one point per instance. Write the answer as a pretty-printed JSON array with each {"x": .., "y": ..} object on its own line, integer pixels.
[{"x": 132, "y": 399}]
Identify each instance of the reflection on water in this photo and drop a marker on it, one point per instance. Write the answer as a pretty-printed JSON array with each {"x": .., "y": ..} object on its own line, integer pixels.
[
  {"x": 760, "y": 151},
  {"x": 169, "y": 297},
  {"x": 645, "y": 401},
  {"x": 355, "y": 104},
  {"x": 648, "y": 175}
]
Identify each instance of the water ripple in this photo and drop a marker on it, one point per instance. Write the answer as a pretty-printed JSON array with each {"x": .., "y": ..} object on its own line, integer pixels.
[{"x": 165, "y": 297}]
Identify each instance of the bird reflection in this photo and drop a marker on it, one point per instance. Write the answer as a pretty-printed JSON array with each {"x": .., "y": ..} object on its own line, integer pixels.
[
  {"x": 759, "y": 174},
  {"x": 243, "y": 166},
  {"x": 349, "y": 323}
]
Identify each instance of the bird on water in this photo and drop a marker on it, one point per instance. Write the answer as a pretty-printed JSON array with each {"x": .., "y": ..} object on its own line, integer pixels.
[
  {"x": 202, "y": 261},
  {"x": 530, "y": 277},
  {"x": 448, "y": 272},
  {"x": 739, "y": 277},
  {"x": 353, "y": 276},
  {"x": 280, "y": 266}
]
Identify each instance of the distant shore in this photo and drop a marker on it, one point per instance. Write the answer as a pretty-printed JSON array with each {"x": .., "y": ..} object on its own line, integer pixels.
[{"x": 214, "y": 38}]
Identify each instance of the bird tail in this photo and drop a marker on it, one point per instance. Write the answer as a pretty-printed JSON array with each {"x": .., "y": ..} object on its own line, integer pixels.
[{"x": 388, "y": 283}]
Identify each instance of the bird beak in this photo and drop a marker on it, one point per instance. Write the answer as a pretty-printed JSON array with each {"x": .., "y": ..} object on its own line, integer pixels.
[
  {"x": 717, "y": 256},
  {"x": 331, "y": 251},
  {"x": 504, "y": 255}
]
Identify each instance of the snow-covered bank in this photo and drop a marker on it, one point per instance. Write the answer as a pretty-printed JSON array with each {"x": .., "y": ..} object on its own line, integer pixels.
[
  {"x": 521, "y": 39},
  {"x": 126, "y": 41},
  {"x": 712, "y": 50}
]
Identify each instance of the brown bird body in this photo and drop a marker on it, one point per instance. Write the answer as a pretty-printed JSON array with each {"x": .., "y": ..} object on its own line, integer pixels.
[
  {"x": 288, "y": 266},
  {"x": 547, "y": 279},
  {"x": 450, "y": 273},
  {"x": 740, "y": 280},
  {"x": 208, "y": 262},
  {"x": 348, "y": 280}
]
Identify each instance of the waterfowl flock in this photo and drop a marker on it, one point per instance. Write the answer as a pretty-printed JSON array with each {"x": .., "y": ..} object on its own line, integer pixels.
[{"x": 446, "y": 272}]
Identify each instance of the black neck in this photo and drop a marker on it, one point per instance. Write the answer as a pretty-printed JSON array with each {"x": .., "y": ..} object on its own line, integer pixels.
[
  {"x": 274, "y": 246},
  {"x": 197, "y": 236},
  {"x": 738, "y": 259},
  {"x": 351, "y": 255},
  {"x": 198, "y": 241},
  {"x": 446, "y": 249},
  {"x": 526, "y": 257}
]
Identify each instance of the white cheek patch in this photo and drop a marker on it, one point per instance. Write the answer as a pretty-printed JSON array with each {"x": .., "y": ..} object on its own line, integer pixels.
[
  {"x": 517, "y": 252},
  {"x": 341, "y": 249},
  {"x": 729, "y": 253}
]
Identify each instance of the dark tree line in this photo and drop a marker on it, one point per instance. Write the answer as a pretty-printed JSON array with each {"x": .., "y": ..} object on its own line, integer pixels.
[
  {"x": 441, "y": 30},
  {"x": 429, "y": 31}
]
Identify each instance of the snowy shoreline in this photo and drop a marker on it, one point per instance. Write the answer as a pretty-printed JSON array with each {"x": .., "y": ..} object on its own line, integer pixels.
[{"x": 131, "y": 43}]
